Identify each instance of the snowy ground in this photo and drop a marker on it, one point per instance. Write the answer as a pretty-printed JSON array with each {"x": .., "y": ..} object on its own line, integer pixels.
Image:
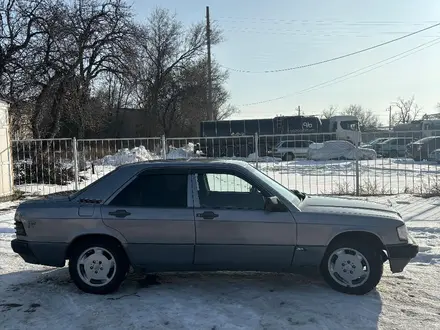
[{"x": 35, "y": 297}]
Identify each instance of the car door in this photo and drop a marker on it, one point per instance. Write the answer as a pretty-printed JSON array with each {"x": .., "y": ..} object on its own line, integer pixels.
[
  {"x": 233, "y": 230},
  {"x": 281, "y": 149},
  {"x": 302, "y": 147},
  {"x": 154, "y": 212}
]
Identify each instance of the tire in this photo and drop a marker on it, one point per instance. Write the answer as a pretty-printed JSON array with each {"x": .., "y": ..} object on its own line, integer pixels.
[
  {"x": 289, "y": 156},
  {"x": 350, "y": 263},
  {"x": 394, "y": 154},
  {"x": 107, "y": 259}
]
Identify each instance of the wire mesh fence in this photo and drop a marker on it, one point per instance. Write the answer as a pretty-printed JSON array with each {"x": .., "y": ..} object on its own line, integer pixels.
[
  {"x": 386, "y": 163},
  {"x": 57, "y": 165}
]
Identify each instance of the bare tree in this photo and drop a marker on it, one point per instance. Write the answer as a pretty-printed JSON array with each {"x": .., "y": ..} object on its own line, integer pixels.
[
  {"x": 68, "y": 66},
  {"x": 166, "y": 50},
  {"x": 17, "y": 29},
  {"x": 408, "y": 111},
  {"x": 367, "y": 119},
  {"x": 78, "y": 43},
  {"x": 329, "y": 112}
]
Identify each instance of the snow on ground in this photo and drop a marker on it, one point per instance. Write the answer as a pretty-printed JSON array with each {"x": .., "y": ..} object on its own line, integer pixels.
[{"x": 36, "y": 297}]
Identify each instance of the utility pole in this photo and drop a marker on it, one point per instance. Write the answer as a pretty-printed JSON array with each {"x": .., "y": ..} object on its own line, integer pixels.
[
  {"x": 208, "y": 43},
  {"x": 389, "y": 119},
  {"x": 299, "y": 110}
]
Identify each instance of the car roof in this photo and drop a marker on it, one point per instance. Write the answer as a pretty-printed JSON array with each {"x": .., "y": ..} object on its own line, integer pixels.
[
  {"x": 398, "y": 138},
  {"x": 427, "y": 139},
  {"x": 190, "y": 162}
]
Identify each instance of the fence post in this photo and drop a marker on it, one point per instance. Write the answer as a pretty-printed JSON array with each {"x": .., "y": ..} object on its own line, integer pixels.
[
  {"x": 75, "y": 161},
  {"x": 357, "y": 172},
  {"x": 164, "y": 146},
  {"x": 256, "y": 149}
]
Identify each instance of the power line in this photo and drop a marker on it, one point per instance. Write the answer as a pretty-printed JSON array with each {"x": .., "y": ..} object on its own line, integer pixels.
[
  {"x": 326, "y": 34},
  {"x": 338, "y": 57},
  {"x": 349, "y": 75},
  {"x": 319, "y": 21},
  {"x": 314, "y": 33}
]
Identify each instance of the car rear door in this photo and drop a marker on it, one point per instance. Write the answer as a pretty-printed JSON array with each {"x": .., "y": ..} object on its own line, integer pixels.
[
  {"x": 302, "y": 148},
  {"x": 233, "y": 230},
  {"x": 154, "y": 212}
]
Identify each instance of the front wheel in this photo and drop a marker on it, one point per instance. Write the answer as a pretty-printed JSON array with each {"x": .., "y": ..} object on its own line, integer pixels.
[
  {"x": 289, "y": 157},
  {"x": 98, "y": 267},
  {"x": 352, "y": 267}
]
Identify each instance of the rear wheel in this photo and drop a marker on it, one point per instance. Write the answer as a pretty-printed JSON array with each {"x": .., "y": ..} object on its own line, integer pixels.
[
  {"x": 289, "y": 156},
  {"x": 98, "y": 266},
  {"x": 352, "y": 267}
]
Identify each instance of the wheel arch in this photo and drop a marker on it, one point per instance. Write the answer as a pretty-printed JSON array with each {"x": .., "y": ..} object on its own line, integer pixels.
[
  {"x": 358, "y": 235},
  {"x": 95, "y": 237}
]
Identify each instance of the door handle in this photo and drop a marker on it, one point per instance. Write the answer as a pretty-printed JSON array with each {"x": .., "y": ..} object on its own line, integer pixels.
[
  {"x": 119, "y": 213},
  {"x": 207, "y": 215}
]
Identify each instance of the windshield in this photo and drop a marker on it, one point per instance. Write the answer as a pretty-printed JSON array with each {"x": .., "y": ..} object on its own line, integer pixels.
[
  {"x": 285, "y": 192},
  {"x": 376, "y": 141},
  {"x": 421, "y": 141},
  {"x": 350, "y": 125},
  {"x": 388, "y": 141}
]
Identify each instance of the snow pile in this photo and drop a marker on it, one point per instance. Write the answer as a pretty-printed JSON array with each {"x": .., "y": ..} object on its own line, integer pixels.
[
  {"x": 127, "y": 156},
  {"x": 183, "y": 152}
]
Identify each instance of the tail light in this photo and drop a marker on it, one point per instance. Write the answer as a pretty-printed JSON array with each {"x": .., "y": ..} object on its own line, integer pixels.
[{"x": 19, "y": 226}]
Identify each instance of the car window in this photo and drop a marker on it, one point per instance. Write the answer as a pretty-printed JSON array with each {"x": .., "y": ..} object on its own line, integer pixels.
[
  {"x": 226, "y": 182},
  {"x": 154, "y": 191},
  {"x": 290, "y": 144},
  {"x": 282, "y": 145},
  {"x": 227, "y": 191}
]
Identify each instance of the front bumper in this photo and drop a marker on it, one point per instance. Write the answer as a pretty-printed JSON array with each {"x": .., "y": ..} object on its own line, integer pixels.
[
  {"x": 401, "y": 254},
  {"x": 48, "y": 254}
]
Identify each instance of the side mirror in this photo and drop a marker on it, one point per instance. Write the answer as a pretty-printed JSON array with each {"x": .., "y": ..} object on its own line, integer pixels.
[{"x": 273, "y": 204}]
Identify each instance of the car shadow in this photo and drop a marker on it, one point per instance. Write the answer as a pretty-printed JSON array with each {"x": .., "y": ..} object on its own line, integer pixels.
[{"x": 221, "y": 300}]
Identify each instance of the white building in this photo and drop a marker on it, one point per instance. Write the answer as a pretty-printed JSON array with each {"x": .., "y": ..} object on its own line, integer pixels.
[{"x": 6, "y": 172}]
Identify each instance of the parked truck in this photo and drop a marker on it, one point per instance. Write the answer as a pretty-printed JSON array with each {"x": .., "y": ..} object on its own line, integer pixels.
[
  {"x": 428, "y": 125},
  {"x": 236, "y": 137}
]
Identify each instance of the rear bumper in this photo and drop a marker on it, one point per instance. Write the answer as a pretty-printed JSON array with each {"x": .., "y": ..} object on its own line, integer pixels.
[
  {"x": 400, "y": 255},
  {"x": 48, "y": 254}
]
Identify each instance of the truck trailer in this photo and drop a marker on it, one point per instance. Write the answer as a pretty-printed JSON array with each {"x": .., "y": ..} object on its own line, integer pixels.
[{"x": 229, "y": 138}]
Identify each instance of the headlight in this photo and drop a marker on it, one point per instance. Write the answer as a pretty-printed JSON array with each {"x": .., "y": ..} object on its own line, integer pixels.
[{"x": 402, "y": 232}]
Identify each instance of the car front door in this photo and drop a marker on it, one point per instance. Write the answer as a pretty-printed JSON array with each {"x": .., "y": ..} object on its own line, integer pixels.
[
  {"x": 233, "y": 230},
  {"x": 154, "y": 212}
]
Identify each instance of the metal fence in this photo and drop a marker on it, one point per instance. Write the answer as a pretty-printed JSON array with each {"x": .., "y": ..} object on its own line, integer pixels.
[{"x": 395, "y": 166}]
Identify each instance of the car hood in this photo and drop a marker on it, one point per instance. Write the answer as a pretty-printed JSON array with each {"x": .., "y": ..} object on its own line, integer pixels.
[{"x": 345, "y": 206}]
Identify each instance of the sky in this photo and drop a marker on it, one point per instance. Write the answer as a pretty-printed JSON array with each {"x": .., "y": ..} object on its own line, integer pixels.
[{"x": 279, "y": 34}]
